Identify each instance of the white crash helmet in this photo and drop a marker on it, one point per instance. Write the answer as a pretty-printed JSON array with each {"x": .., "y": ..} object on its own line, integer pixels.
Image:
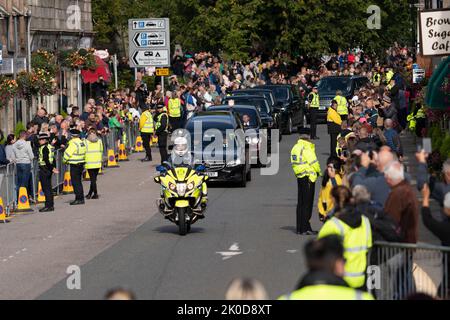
[{"x": 180, "y": 146}]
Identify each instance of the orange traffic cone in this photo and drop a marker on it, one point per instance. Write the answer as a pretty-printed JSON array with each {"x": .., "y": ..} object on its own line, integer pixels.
[
  {"x": 23, "y": 205},
  {"x": 112, "y": 163},
  {"x": 41, "y": 195},
  {"x": 139, "y": 145},
  {"x": 154, "y": 140},
  {"x": 123, "y": 153},
  {"x": 67, "y": 185},
  {"x": 2, "y": 212},
  {"x": 86, "y": 176}
]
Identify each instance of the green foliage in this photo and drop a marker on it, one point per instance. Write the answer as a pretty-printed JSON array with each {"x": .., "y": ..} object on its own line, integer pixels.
[
  {"x": 445, "y": 147},
  {"x": 235, "y": 26},
  {"x": 437, "y": 136},
  {"x": 19, "y": 127}
]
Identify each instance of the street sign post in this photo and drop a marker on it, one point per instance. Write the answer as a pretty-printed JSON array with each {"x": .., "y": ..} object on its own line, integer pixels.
[{"x": 149, "y": 42}]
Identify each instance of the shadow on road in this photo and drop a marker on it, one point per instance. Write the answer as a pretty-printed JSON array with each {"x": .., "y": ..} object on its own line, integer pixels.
[
  {"x": 289, "y": 228},
  {"x": 174, "y": 229}
]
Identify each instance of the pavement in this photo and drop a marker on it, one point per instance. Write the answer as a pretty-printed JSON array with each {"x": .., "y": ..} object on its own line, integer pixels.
[{"x": 121, "y": 239}]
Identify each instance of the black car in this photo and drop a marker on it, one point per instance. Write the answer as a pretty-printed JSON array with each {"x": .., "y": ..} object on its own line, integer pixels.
[
  {"x": 268, "y": 94},
  {"x": 256, "y": 138},
  {"x": 290, "y": 105},
  {"x": 229, "y": 163},
  {"x": 329, "y": 85},
  {"x": 259, "y": 102}
]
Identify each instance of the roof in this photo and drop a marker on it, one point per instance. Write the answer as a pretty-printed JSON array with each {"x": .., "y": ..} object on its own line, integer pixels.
[{"x": 237, "y": 106}]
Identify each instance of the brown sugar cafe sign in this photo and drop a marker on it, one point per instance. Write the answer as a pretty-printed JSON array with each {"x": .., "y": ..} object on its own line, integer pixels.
[{"x": 435, "y": 32}]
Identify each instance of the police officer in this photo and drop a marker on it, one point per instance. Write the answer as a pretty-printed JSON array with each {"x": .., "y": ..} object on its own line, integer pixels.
[
  {"x": 75, "y": 156},
  {"x": 162, "y": 126},
  {"x": 325, "y": 261},
  {"x": 342, "y": 107},
  {"x": 47, "y": 166},
  {"x": 306, "y": 168},
  {"x": 355, "y": 230},
  {"x": 147, "y": 128},
  {"x": 93, "y": 158},
  {"x": 314, "y": 104}
]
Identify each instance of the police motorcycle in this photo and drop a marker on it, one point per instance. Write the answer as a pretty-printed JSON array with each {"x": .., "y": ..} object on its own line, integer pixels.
[{"x": 183, "y": 188}]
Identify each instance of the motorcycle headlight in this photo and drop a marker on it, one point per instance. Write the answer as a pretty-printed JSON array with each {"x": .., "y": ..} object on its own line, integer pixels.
[
  {"x": 255, "y": 140},
  {"x": 234, "y": 163},
  {"x": 172, "y": 187},
  {"x": 190, "y": 186},
  {"x": 181, "y": 189},
  {"x": 247, "y": 139}
]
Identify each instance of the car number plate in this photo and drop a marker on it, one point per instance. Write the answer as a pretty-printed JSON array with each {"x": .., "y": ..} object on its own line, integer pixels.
[{"x": 212, "y": 174}]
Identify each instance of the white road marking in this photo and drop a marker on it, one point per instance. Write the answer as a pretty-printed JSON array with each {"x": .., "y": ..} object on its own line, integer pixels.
[
  {"x": 233, "y": 251},
  {"x": 291, "y": 251}
]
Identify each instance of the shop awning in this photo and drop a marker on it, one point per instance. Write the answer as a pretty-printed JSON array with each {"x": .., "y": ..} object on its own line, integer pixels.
[
  {"x": 90, "y": 76},
  {"x": 438, "y": 97}
]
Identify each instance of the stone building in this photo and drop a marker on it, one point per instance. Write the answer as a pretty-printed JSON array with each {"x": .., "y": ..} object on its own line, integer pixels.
[{"x": 29, "y": 25}]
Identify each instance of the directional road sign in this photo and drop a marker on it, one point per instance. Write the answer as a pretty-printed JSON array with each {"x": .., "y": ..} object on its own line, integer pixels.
[
  {"x": 151, "y": 58},
  {"x": 149, "y": 42}
]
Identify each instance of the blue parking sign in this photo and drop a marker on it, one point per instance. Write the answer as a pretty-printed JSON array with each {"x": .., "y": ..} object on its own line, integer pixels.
[
  {"x": 143, "y": 36},
  {"x": 144, "y": 42},
  {"x": 141, "y": 24}
]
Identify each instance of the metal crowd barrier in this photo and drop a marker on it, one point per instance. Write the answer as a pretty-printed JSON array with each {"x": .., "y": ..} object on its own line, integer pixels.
[
  {"x": 406, "y": 269},
  {"x": 8, "y": 193}
]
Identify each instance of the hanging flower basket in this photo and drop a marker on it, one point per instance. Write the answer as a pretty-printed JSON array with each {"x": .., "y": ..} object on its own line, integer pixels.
[
  {"x": 82, "y": 59},
  {"x": 44, "y": 60},
  {"x": 38, "y": 82},
  {"x": 8, "y": 89}
]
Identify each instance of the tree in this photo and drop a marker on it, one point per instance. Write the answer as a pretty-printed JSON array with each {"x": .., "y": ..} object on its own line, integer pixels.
[{"x": 234, "y": 27}]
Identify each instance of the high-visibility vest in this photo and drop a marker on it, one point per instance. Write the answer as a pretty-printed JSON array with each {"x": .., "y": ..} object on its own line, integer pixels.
[
  {"x": 327, "y": 292},
  {"x": 315, "y": 102},
  {"x": 50, "y": 154},
  {"x": 75, "y": 152},
  {"x": 389, "y": 76},
  {"x": 158, "y": 121},
  {"x": 94, "y": 154},
  {"x": 342, "y": 105},
  {"x": 357, "y": 243},
  {"x": 304, "y": 160},
  {"x": 174, "y": 108},
  {"x": 148, "y": 126},
  {"x": 376, "y": 79},
  {"x": 421, "y": 113},
  {"x": 411, "y": 122}
]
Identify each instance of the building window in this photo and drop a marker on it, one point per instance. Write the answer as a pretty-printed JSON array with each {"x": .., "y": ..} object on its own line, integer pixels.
[{"x": 434, "y": 4}]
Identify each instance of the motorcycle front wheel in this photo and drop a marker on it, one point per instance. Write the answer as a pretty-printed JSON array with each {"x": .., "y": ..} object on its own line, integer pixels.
[{"x": 182, "y": 223}]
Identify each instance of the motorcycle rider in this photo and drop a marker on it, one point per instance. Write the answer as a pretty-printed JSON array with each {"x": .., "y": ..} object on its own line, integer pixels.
[{"x": 182, "y": 156}]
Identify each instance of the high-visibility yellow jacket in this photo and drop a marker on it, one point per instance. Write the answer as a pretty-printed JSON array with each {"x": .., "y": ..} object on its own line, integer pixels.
[
  {"x": 158, "y": 121},
  {"x": 376, "y": 79},
  {"x": 327, "y": 292},
  {"x": 342, "y": 108},
  {"x": 75, "y": 152},
  {"x": 304, "y": 160},
  {"x": 315, "y": 100},
  {"x": 357, "y": 242},
  {"x": 94, "y": 154},
  {"x": 174, "y": 108},
  {"x": 389, "y": 76},
  {"x": 146, "y": 124},
  {"x": 326, "y": 203},
  {"x": 51, "y": 151},
  {"x": 334, "y": 116}
]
